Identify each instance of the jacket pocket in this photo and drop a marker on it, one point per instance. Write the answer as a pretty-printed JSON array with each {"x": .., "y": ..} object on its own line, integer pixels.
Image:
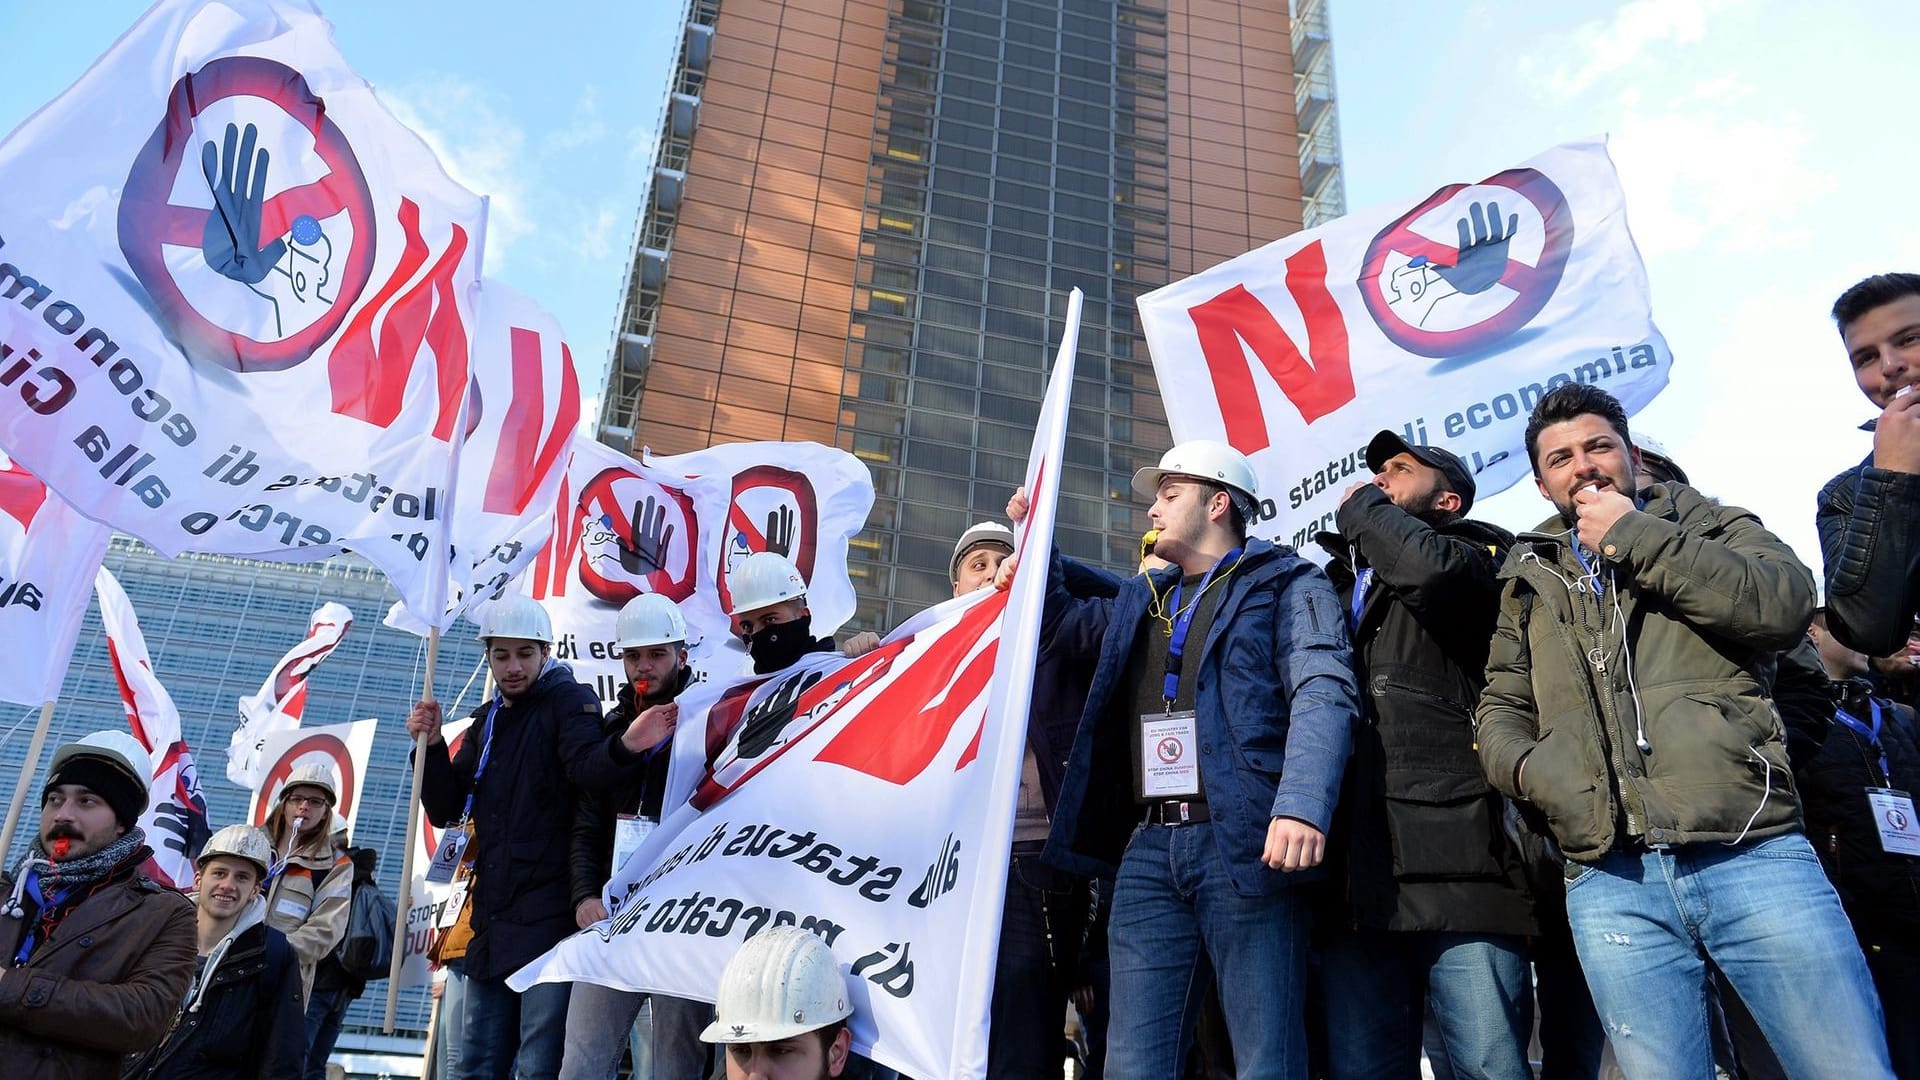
[
  {"x": 1449, "y": 831},
  {"x": 1558, "y": 781}
]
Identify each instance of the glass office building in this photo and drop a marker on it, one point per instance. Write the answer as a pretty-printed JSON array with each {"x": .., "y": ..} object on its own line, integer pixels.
[
  {"x": 215, "y": 626},
  {"x": 866, "y": 217}
]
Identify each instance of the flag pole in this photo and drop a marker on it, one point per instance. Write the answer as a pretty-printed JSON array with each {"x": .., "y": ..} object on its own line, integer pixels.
[
  {"x": 27, "y": 768},
  {"x": 406, "y": 859}
]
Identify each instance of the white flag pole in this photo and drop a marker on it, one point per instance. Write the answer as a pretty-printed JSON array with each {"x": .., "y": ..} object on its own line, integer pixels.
[
  {"x": 27, "y": 768},
  {"x": 437, "y": 605}
]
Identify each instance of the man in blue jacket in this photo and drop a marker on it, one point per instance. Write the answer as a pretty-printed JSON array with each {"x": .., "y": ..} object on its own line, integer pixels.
[{"x": 1206, "y": 769}]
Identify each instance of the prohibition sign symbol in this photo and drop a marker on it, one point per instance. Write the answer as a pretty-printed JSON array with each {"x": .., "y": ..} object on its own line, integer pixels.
[
  {"x": 610, "y": 496},
  {"x": 1170, "y": 750},
  {"x": 150, "y": 222},
  {"x": 1897, "y": 819},
  {"x": 743, "y": 533},
  {"x": 336, "y": 753},
  {"x": 1532, "y": 285}
]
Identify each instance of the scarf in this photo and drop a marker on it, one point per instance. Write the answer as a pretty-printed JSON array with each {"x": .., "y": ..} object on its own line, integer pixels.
[{"x": 61, "y": 886}]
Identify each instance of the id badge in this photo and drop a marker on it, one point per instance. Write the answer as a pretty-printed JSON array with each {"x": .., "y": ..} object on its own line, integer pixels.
[
  {"x": 450, "y": 908},
  {"x": 293, "y": 907},
  {"x": 629, "y": 832},
  {"x": 1167, "y": 761},
  {"x": 446, "y": 858},
  {"x": 1899, "y": 825}
]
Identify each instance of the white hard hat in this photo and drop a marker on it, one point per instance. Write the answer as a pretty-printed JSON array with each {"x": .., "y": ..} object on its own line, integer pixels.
[
  {"x": 240, "y": 842},
  {"x": 783, "y": 982},
  {"x": 118, "y": 749},
  {"x": 517, "y": 617},
  {"x": 1652, "y": 447},
  {"x": 313, "y": 774},
  {"x": 649, "y": 619},
  {"x": 986, "y": 532},
  {"x": 1202, "y": 459},
  {"x": 763, "y": 579}
]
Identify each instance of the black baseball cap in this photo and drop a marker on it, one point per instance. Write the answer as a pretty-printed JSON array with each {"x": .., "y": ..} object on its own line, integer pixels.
[{"x": 1388, "y": 444}]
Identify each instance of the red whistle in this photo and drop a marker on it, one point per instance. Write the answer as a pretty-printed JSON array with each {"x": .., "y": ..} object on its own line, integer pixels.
[
  {"x": 62, "y": 846},
  {"x": 640, "y": 688}
]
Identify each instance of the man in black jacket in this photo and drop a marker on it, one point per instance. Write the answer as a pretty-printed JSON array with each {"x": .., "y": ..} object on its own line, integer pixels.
[
  {"x": 1432, "y": 909},
  {"x": 243, "y": 1014},
  {"x": 608, "y": 826},
  {"x": 1869, "y": 516},
  {"x": 509, "y": 795}
]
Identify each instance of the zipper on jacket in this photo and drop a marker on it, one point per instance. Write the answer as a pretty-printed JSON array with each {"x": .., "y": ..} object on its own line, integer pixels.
[{"x": 1603, "y": 697}]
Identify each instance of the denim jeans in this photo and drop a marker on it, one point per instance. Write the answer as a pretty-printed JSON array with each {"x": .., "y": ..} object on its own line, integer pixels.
[
  {"x": 1646, "y": 923},
  {"x": 451, "y": 1033},
  {"x": 678, "y": 1053},
  {"x": 1377, "y": 987},
  {"x": 599, "y": 1023},
  {"x": 1041, "y": 923},
  {"x": 1176, "y": 919},
  {"x": 509, "y": 1036},
  {"x": 325, "y": 1010}
]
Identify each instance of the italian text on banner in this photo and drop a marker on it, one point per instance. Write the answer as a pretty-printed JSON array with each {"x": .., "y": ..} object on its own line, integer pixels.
[
  {"x": 867, "y": 800},
  {"x": 234, "y": 310},
  {"x": 48, "y": 555},
  {"x": 1444, "y": 319}
]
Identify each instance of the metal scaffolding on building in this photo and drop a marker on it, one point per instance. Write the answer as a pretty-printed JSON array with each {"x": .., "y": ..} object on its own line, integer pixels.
[{"x": 1323, "y": 189}]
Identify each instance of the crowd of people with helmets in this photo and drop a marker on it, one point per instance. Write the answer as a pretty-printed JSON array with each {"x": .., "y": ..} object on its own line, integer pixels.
[{"x": 1619, "y": 793}]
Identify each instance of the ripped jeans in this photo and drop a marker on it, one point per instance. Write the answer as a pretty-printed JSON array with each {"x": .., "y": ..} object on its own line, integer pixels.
[{"x": 1646, "y": 921}]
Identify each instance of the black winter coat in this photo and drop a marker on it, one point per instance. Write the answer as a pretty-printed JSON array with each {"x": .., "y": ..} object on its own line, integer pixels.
[
  {"x": 546, "y": 745},
  {"x": 1062, "y": 674},
  {"x": 250, "y": 1023},
  {"x": 1869, "y": 523},
  {"x": 640, "y": 792},
  {"x": 1420, "y": 833},
  {"x": 1833, "y": 765}
]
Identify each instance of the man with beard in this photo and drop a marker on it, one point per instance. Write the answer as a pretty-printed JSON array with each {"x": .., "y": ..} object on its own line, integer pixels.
[
  {"x": 242, "y": 1017},
  {"x": 1430, "y": 907},
  {"x": 608, "y": 826},
  {"x": 506, "y": 802},
  {"x": 1869, "y": 516},
  {"x": 1627, "y": 698},
  {"x": 94, "y": 956},
  {"x": 310, "y": 887},
  {"x": 782, "y": 1009}
]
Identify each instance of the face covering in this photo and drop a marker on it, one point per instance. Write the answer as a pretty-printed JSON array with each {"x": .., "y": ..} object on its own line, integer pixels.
[{"x": 778, "y": 646}]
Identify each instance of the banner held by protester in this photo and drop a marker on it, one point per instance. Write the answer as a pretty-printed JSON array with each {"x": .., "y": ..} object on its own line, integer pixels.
[
  {"x": 345, "y": 749},
  {"x": 868, "y": 800},
  {"x": 1445, "y": 319},
  {"x": 282, "y": 698}
]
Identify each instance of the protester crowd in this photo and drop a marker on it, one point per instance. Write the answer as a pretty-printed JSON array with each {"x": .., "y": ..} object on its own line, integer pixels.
[{"x": 1621, "y": 788}]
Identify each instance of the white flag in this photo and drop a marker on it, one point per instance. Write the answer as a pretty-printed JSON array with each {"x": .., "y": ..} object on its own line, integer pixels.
[
  {"x": 176, "y": 817},
  {"x": 869, "y": 801},
  {"x": 281, "y": 700},
  {"x": 623, "y": 527},
  {"x": 234, "y": 298},
  {"x": 48, "y": 555},
  {"x": 345, "y": 749},
  {"x": 1444, "y": 319},
  {"x": 525, "y": 409}
]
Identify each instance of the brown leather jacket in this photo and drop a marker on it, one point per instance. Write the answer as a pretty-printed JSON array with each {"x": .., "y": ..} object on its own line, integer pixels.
[{"x": 108, "y": 983}]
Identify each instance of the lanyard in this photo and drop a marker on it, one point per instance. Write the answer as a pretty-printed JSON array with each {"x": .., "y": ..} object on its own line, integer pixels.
[
  {"x": 1183, "y": 621},
  {"x": 1871, "y": 734},
  {"x": 1362, "y": 581},
  {"x": 1593, "y": 574},
  {"x": 480, "y": 770},
  {"x": 30, "y": 938}
]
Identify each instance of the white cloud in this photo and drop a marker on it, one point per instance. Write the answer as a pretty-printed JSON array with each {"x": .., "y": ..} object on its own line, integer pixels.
[
  {"x": 595, "y": 238},
  {"x": 1607, "y": 47},
  {"x": 1697, "y": 172},
  {"x": 479, "y": 148},
  {"x": 583, "y": 129}
]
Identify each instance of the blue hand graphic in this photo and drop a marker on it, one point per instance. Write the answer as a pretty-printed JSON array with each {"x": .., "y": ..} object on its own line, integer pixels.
[
  {"x": 231, "y": 243},
  {"x": 1483, "y": 250}
]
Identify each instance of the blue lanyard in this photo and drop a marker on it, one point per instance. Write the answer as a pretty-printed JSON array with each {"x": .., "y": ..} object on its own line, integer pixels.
[
  {"x": 30, "y": 937},
  {"x": 1182, "y": 622},
  {"x": 480, "y": 770},
  {"x": 1871, "y": 734},
  {"x": 1362, "y": 581}
]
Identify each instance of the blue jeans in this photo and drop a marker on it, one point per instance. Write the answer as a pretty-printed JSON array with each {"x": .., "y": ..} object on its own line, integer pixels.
[
  {"x": 1646, "y": 922},
  {"x": 509, "y": 1036},
  {"x": 1177, "y": 923},
  {"x": 1378, "y": 985},
  {"x": 325, "y": 1010},
  {"x": 600, "y": 1020}
]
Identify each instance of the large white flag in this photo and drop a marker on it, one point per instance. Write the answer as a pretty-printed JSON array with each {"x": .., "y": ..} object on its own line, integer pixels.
[
  {"x": 677, "y": 526},
  {"x": 234, "y": 298},
  {"x": 48, "y": 555},
  {"x": 345, "y": 749},
  {"x": 514, "y": 459},
  {"x": 867, "y": 800},
  {"x": 281, "y": 700},
  {"x": 176, "y": 817},
  {"x": 1444, "y": 318}
]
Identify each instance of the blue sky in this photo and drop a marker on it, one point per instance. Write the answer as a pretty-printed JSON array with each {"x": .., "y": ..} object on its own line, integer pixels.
[{"x": 1766, "y": 157}]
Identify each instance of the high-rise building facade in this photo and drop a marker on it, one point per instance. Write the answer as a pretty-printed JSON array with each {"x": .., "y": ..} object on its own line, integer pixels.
[
  {"x": 866, "y": 218},
  {"x": 215, "y": 626}
]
